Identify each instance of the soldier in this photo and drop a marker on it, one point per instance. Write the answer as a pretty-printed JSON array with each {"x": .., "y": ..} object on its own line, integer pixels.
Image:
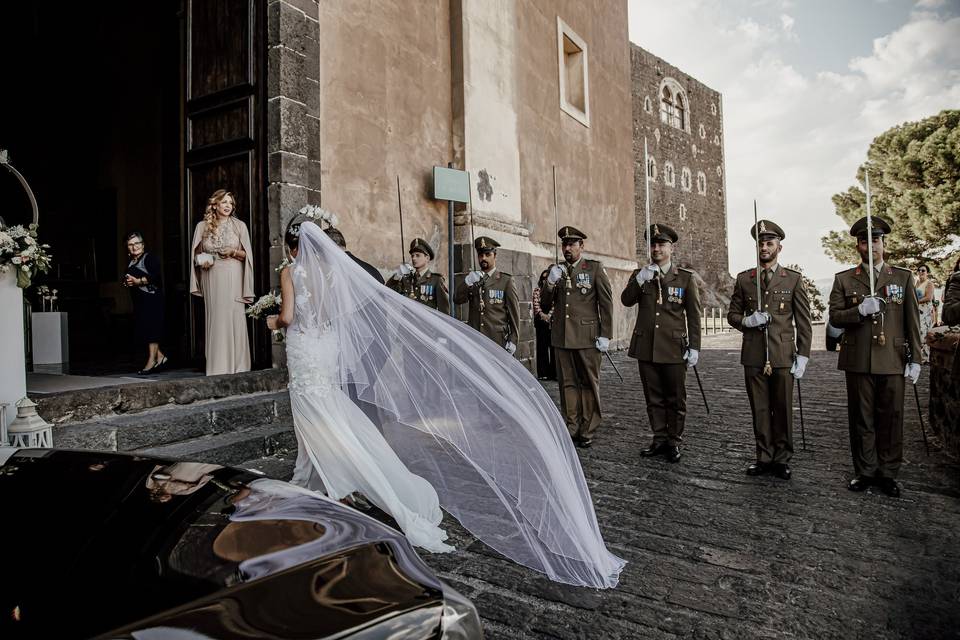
[
  {"x": 666, "y": 335},
  {"x": 419, "y": 282},
  {"x": 494, "y": 308},
  {"x": 776, "y": 329},
  {"x": 580, "y": 330},
  {"x": 880, "y": 340}
]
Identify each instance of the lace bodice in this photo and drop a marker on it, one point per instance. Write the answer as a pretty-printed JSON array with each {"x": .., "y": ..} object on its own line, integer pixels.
[
  {"x": 225, "y": 238},
  {"x": 312, "y": 346}
]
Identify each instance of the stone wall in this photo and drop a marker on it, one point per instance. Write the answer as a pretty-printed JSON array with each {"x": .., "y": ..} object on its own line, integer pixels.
[
  {"x": 945, "y": 388},
  {"x": 697, "y": 147}
]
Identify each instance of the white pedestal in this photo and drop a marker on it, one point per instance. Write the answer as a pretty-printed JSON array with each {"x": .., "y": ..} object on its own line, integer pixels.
[
  {"x": 13, "y": 371},
  {"x": 51, "y": 344}
]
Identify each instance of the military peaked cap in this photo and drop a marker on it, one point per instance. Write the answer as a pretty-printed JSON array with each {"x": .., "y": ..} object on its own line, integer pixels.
[
  {"x": 483, "y": 243},
  {"x": 768, "y": 229},
  {"x": 419, "y": 244},
  {"x": 571, "y": 233},
  {"x": 880, "y": 227},
  {"x": 662, "y": 233}
]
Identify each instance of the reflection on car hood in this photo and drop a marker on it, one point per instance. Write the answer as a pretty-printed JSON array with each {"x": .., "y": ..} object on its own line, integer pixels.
[{"x": 126, "y": 546}]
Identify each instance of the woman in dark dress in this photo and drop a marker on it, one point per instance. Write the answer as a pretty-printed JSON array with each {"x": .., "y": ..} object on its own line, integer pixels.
[
  {"x": 546, "y": 369},
  {"x": 143, "y": 279}
]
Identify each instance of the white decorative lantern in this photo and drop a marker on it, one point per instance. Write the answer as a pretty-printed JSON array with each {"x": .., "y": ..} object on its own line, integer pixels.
[{"x": 28, "y": 429}]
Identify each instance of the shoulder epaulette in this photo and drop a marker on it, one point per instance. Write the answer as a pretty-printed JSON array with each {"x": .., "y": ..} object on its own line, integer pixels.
[
  {"x": 848, "y": 270},
  {"x": 747, "y": 272},
  {"x": 509, "y": 275},
  {"x": 685, "y": 270},
  {"x": 901, "y": 269},
  {"x": 791, "y": 270}
]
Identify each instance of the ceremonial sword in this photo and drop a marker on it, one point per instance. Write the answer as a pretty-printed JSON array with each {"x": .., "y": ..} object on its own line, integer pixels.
[{"x": 767, "y": 369}]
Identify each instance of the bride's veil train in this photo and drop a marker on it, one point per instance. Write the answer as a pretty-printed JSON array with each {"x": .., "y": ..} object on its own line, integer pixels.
[{"x": 460, "y": 412}]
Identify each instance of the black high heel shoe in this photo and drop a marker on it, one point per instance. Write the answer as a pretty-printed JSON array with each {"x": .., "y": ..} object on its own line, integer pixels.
[{"x": 160, "y": 366}]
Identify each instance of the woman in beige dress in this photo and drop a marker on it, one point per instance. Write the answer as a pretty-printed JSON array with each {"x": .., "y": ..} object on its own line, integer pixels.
[{"x": 222, "y": 275}]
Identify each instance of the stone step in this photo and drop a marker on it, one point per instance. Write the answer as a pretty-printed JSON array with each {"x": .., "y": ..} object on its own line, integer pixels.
[
  {"x": 171, "y": 424},
  {"x": 278, "y": 466},
  {"x": 231, "y": 448},
  {"x": 87, "y": 404}
]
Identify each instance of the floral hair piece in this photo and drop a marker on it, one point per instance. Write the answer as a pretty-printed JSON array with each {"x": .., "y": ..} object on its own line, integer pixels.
[{"x": 319, "y": 216}]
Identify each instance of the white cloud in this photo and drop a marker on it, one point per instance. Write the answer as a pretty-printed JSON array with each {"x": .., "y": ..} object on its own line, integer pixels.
[
  {"x": 793, "y": 139},
  {"x": 931, "y": 4}
]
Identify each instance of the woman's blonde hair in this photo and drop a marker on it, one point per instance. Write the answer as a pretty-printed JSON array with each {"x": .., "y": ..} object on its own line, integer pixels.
[{"x": 210, "y": 215}]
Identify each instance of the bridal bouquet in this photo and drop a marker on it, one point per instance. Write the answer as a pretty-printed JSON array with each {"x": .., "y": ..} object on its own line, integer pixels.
[
  {"x": 267, "y": 305},
  {"x": 20, "y": 250}
]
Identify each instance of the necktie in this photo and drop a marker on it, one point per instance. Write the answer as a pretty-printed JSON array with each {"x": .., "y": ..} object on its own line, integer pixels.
[{"x": 766, "y": 278}]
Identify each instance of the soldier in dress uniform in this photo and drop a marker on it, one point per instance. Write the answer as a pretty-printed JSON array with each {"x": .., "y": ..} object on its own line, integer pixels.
[
  {"x": 666, "y": 339},
  {"x": 419, "y": 281},
  {"x": 494, "y": 307},
  {"x": 580, "y": 330},
  {"x": 880, "y": 347},
  {"x": 776, "y": 329}
]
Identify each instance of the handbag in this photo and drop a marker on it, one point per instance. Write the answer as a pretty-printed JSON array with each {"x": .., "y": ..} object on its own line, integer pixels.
[{"x": 204, "y": 258}]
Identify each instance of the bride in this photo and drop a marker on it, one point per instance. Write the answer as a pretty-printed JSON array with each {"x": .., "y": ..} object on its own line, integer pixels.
[{"x": 416, "y": 410}]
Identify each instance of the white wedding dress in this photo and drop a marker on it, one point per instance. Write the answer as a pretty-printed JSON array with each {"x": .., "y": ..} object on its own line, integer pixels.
[
  {"x": 347, "y": 451},
  {"x": 417, "y": 411}
]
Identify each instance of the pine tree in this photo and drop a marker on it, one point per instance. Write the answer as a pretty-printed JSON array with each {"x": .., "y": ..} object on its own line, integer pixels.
[
  {"x": 817, "y": 305},
  {"x": 915, "y": 185}
]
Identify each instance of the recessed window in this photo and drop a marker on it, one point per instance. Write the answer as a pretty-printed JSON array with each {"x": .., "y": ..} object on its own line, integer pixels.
[
  {"x": 651, "y": 168},
  {"x": 701, "y": 183},
  {"x": 716, "y": 140},
  {"x": 713, "y": 108},
  {"x": 719, "y": 171},
  {"x": 669, "y": 176},
  {"x": 703, "y": 131},
  {"x": 647, "y": 104},
  {"x": 674, "y": 109},
  {"x": 686, "y": 179},
  {"x": 683, "y": 212},
  {"x": 574, "y": 86}
]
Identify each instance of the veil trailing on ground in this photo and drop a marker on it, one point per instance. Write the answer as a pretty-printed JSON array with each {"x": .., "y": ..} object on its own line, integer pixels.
[{"x": 460, "y": 412}]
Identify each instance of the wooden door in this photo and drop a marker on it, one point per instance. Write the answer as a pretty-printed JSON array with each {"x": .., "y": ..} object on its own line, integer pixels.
[{"x": 224, "y": 132}]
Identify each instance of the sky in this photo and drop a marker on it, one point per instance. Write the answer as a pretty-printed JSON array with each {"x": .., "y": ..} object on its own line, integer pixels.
[{"x": 806, "y": 84}]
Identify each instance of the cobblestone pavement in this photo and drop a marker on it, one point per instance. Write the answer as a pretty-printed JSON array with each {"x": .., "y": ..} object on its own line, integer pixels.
[{"x": 716, "y": 554}]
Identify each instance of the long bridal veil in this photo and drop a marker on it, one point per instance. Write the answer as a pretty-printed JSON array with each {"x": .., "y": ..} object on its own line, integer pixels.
[{"x": 460, "y": 412}]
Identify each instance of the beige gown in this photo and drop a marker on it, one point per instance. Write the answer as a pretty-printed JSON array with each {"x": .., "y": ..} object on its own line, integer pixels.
[{"x": 225, "y": 287}]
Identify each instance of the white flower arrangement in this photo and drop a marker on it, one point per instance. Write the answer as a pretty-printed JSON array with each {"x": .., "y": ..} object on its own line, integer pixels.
[
  {"x": 267, "y": 305},
  {"x": 286, "y": 262},
  {"x": 319, "y": 215},
  {"x": 48, "y": 298},
  {"x": 20, "y": 250}
]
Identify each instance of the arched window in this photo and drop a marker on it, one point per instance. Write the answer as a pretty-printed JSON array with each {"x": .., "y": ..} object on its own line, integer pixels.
[
  {"x": 669, "y": 177},
  {"x": 651, "y": 169},
  {"x": 683, "y": 212},
  {"x": 686, "y": 180},
  {"x": 703, "y": 131},
  {"x": 666, "y": 106},
  {"x": 647, "y": 104},
  {"x": 716, "y": 140},
  {"x": 674, "y": 107},
  {"x": 701, "y": 183}
]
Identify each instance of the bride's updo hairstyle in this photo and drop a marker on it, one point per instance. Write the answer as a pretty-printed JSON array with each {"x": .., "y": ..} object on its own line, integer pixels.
[{"x": 292, "y": 236}]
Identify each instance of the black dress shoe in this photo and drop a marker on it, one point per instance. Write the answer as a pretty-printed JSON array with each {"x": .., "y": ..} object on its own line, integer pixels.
[
  {"x": 782, "y": 471},
  {"x": 672, "y": 454},
  {"x": 890, "y": 487},
  {"x": 585, "y": 443},
  {"x": 653, "y": 450},
  {"x": 757, "y": 469},
  {"x": 860, "y": 483}
]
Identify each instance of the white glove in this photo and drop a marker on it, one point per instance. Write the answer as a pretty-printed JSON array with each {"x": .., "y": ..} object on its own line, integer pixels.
[
  {"x": 833, "y": 331},
  {"x": 648, "y": 273},
  {"x": 603, "y": 344},
  {"x": 869, "y": 306},
  {"x": 692, "y": 356},
  {"x": 555, "y": 274},
  {"x": 402, "y": 270},
  {"x": 756, "y": 319},
  {"x": 912, "y": 371},
  {"x": 473, "y": 278},
  {"x": 510, "y": 347},
  {"x": 799, "y": 366}
]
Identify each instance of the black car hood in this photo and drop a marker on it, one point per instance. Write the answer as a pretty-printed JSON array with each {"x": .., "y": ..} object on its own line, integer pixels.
[{"x": 112, "y": 545}]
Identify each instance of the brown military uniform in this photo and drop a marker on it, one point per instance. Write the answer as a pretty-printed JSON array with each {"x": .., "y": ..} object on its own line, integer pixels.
[
  {"x": 494, "y": 307},
  {"x": 668, "y": 323},
  {"x": 788, "y": 333},
  {"x": 428, "y": 288},
  {"x": 874, "y": 371},
  {"x": 583, "y": 311}
]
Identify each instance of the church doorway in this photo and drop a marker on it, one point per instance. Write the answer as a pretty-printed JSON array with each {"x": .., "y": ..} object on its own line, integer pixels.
[{"x": 126, "y": 116}]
